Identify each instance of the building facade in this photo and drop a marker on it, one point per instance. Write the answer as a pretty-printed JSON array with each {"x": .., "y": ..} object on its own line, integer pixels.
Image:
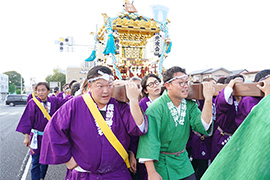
[
  {"x": 250, "y": 76},
  {"x": 3, "y": 86},
  {"x": 78, "y": 73},
  {"x": 209, "y": 73},
  {"x": 199, "y": 75}
]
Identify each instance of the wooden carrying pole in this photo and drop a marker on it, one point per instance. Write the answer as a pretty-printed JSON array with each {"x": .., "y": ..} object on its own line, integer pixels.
[
  {"x": 239, "y": 89},
  {"x": 196, "y": 91},
  {"x": 119, "y": 93}
]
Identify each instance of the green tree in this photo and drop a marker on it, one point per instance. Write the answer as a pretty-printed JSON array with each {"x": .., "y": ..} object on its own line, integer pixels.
[
  {"x": 18, "y": 91},
  {"x": 56, "y": 77},
  {"x": 14, "y": 78},
  {"x": 12, "y": 88}
]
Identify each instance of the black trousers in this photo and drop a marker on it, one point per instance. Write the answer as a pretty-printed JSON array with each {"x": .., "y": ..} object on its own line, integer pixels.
[
  {"x": 191, "y": 177},
  {"x": 200, "y": 166}
]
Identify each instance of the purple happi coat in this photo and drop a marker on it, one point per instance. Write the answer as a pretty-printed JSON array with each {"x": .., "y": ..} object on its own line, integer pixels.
[
  {"x": 73, "y": 132},
  {"x": 29, "y": 97},
  {"x": 244, "y": 107},
  {"x": 61, "y": 95},
  {"x": 201, "y": 144},
  {"x": 68, "y": 97},
  {"x": 33, "y": 118},
  {"x": 144, "y": 103},
  {"x": 225, "y": 118}
]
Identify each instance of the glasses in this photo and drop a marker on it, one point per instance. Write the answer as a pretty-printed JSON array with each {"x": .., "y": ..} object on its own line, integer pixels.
[
  {"x": 183, "y": 83},
  {"x": 152, "y": 84}
]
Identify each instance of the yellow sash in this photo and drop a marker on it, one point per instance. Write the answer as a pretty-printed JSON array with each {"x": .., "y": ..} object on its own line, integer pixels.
[
  {"x": 33, "y": 95},
  {"x": 105, "y": 128},
  {"x": 41, "y": 107}
]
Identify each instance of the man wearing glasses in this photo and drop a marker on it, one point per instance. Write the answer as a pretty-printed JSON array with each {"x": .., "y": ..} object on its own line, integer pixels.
[{"x": 170, "y": 117}]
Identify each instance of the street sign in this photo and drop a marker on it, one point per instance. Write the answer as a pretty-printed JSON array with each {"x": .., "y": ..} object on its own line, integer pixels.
[{"x": 55, "y": 84}]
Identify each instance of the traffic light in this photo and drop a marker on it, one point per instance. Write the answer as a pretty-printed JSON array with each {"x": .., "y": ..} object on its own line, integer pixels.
[
  {"x": 69, "y": 41},
  {"x": 66, "y": 40},
  {"x": 61, "y": 43},
  {"x": 65, "y": 44}
]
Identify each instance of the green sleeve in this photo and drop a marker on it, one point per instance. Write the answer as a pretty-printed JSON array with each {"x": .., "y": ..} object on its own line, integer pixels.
[
  {"x": 149, "y": 144},
  {"x": 195, "y": 119}
]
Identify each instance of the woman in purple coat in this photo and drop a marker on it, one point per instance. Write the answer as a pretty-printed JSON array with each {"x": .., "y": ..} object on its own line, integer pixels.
[
  {"x": 32, "y": 124},
  {"x": 226, "y": 110},
  {"x": 73, "y": 136},
  {"x": 151, "y": 89}
]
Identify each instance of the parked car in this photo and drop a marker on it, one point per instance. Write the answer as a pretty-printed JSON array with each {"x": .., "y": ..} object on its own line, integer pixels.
[{"x": 16, "y": 99}]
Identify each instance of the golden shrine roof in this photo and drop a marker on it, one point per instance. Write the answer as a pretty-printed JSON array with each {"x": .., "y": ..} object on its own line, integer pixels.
[
  {"x": 131, "y": 23},
  {"x": 135, "y": 22}
]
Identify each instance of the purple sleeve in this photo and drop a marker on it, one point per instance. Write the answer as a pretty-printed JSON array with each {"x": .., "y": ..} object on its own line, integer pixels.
[
  {"x": 143, "y": 104},
  {"x": 26, "y": 122},
  {"x": 60, "y": 95},
  {"x": 129, "y": 122},
  {"x": 61, "y": 101},
  {"x": 200, "y": 104},
  {"x": 221, "y": 103},
  {"x": 56, "y": 148},
  {"x": 29, "y": 97},
  {"x": 244, "y": 108},
  {"x": 134, "y": 141},
  {"x": 249, "y": 103},
  {"x": 66, "y": 99}
]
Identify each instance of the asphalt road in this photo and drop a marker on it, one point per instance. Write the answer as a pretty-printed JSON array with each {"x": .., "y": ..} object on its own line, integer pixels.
[{"x": 13, "y": 153}]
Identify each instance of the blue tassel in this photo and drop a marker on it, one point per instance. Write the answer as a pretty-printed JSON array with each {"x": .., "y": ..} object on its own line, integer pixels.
[
  {"x": 169, "y": 48},
  {"x": 117, "y": 72},
  {"x": 92, "y": 57},
  {"x": 110, "y": 46}
]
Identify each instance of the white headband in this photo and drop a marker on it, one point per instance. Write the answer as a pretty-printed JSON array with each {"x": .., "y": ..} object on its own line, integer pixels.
[
  {"x": 265, "y": 77},
  {"x": 104, "y": 76},
  {"x": 178, "y": 77}
]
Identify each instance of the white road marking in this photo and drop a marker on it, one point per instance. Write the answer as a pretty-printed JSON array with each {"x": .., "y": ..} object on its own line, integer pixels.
[
  {"x": 27, "y": 167},
  {"x": 3, "y": 113},
  {"x": 14, "y": 113},
  {"x": 10, "y": 113}
]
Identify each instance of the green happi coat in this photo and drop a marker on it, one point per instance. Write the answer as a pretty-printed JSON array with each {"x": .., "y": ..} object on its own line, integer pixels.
[
  {"x": 169, "y": 132},
  {"x": 246, "y": 156}
]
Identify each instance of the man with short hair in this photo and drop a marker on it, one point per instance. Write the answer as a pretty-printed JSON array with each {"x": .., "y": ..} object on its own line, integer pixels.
[
  {"x": 74, "y": 136},
  {"x": 33, "y": 122},
  {"x": 170, "y": 117},
  {"x": 62, "y": 94},
  {"x": 55, "y": 91}
]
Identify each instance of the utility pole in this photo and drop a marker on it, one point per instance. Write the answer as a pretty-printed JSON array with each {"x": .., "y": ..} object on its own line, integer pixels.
[
  {"x": 21, "y": 77},
  {"x": 21, "y": 84}
]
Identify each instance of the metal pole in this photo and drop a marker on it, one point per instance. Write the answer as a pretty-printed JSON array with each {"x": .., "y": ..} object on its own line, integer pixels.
[
  {"x": 21, "y": 80},
  {"x": 21, "y": 84}
]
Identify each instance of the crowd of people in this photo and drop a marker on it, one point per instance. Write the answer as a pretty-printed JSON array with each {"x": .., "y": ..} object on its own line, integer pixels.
[{"x": 158, "y": 134}]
